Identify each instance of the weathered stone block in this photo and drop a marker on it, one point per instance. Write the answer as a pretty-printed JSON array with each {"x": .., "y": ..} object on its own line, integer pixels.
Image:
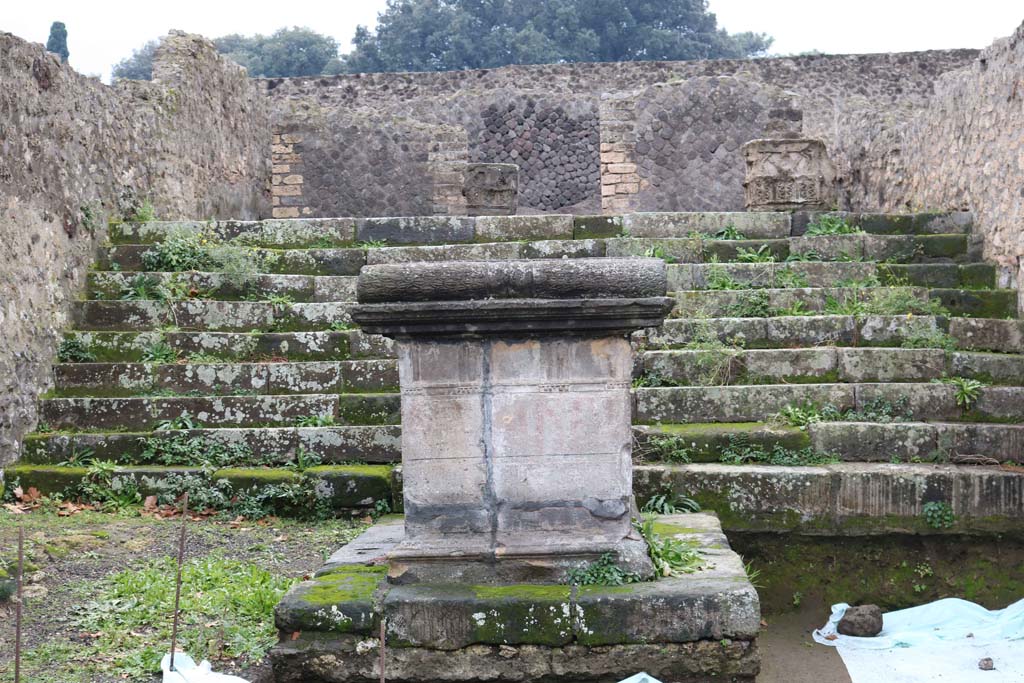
[
  {"x": 490, "y": 189},
  {"x": 547, "y": 227},
  {"x": 788, "y": 173}
]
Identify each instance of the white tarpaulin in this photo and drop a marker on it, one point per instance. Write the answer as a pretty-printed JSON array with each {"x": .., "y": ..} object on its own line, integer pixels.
[
  {"x": 187, "y": 671},
  {"x": 940, "y": 641}
]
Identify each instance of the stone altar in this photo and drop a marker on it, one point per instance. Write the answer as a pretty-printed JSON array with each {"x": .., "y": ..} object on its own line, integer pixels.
[{"x": 516, "y": 435}]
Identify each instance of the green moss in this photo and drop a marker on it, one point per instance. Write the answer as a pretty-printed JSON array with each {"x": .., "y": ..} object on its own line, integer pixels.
[
  {"x": 977, "y": 276},
  {"x": 594, "y": 227},
  {"x": 369, "y": 409},
  {"x": 523, "y": 591},
  {"x": 941, "y": 246},
  {"x": 344, "y": 584},
  {"x": 666, "y": 529},
  {"x": 894, "y": 571},
  {"x": 242, "y": 478}
]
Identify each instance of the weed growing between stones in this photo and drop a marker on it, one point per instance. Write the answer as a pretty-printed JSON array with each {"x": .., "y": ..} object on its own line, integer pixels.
[
  {"x": 741, "y": 451},
  {"x": 966, "y": 390},
  {"x": 670, "y": 448},
  {"x": 671, "y": 556},
  {"x": 884, "y": 301},
  {"x": 187, "y": 250},
  {"x": 714, "y": 358},
  {"x": 653, "y": 378},
  {"x": 754, "y": 304},
  {"x": 788, "y": 278},
  {"x": 227, "y": 613},
  {"x": 938, "y": 514},
  {"x": 762, "y": 254},
  {"x": 879, "y": 410},
  {"x": 143, "y": 213},
  {"x": 729, "y": 232},
  {"x": 104, "y": 486},
  {"x": 196, "y": 451},
  {"x": 922, "y": 335},
  {"x": 659, "y": 252},
  {"x": 603, "y": 572},
  {"x": 159, "y": 351},
  {"x": 828, "y": 224},
  {"x": 315, "y": 421},
  {"x": 669, "y": 503},
  {"x": 803, "y": 256},
  {"x": 74, "y": 350},
  {"x": 797, "y": 308}
]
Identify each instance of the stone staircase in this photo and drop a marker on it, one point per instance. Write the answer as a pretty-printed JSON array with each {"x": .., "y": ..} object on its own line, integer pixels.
[{"x": 842, "y": 373}]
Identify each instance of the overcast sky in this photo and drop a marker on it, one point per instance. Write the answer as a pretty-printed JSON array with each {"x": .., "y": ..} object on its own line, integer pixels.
[{"x": 101, "y": 33}]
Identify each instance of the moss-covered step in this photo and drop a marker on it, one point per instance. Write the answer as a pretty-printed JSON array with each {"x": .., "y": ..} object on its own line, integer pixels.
[
  {"x": 847, "y": 498},
  {"x": 143, "y": 379},
  {"x": 938, "y": 442},
  {"x": 813, "y": 330},
  {"x": 117, "y": 285},
  {"x": 852, "y": 247},
  {"x": 794, "y": 366},
  {"x": 758, "y": 403},
  {"x": 923, "y": 223},
  {"x": 279, "y": 233},
  {"x": 309, "y": 261},
  {"x": 285, "y": 491},
  {"x": 773, "y": 302},
  {"x": 489, "y": 251},
  {"x": 171, "y": 346},
  {"x": 208, "y": 315},
  {"x": 939, "y": 275},
  {"x": 706, "y": 442},
  {"x": 228, "y": 446},
  {"x": 707, "y": 615},
  {"x": 717, "y": 276},
  {"x": 749, "y": 224},
  {"x": 146, "y": 413}
]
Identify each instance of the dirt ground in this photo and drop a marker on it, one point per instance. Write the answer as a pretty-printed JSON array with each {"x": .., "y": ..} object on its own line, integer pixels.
[
  {"x": 790, "y": 655},
  {"x": 68, "y": 555}
]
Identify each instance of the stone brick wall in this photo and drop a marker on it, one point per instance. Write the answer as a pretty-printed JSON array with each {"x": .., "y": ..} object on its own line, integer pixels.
[
  {"x": 563, "y": 124},
  {"x": 75, "y": 153},
  {"x": 965, "y": 149}
]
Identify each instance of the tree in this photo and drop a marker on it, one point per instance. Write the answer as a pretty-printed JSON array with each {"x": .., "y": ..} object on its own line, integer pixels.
[
  {"x": 57, "y": 43},
  {"x": 138, "y": 67},
  {"x": 288, "y": 52},
  {"x": 435, "y": 35}
]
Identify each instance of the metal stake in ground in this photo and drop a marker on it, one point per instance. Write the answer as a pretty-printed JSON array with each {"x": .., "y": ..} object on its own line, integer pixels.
[
  {"x": 177, "y": 587},
  {"x": 17, "y": 605}
]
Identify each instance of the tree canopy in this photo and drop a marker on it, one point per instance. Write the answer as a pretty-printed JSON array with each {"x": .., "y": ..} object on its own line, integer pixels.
[
  {"x": 288, "y": 52},
  {"x": 58, "y": 40},
  {"x": 437, "y": 35},
  {"x": 440, "y": 35}
]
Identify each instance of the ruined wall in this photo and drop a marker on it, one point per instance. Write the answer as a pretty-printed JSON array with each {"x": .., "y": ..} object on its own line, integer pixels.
[
  {"x": 965, "y": 149},
  {"x": 74, "y": 153},
  {"x": 563, "y": 123}
]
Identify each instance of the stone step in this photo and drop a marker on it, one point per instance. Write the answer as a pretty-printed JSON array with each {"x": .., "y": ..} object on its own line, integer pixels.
[
  {"x": 799, "y": 274},
  {"x": 284, "y": 491},
  {"x": 210, "y": 315},
  {"x": 940, "y": 442},
  {"x": 221, "y": 286},
  {"x": 967, "y": 334},
  {"x": 856, "y": 247},
  {"x": 148, "y": 413},
  {"x": 310, "y": 261},
  {"x": 924, "y": 223},
  {"x": 926, "y": 402},
  {"x": 846, "y": 498},
  {"x": 929, "y": 442},
  {"x": 827, "y": 364},
  {"x": 226, "y": 346},
  {"x": 769, "y": 302},
  {"x": 227, "y": 447},
  {"x": 940, "y": 275},
  {"x": 313, "y": 377},
  {"x": 706, "y": 442}
]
